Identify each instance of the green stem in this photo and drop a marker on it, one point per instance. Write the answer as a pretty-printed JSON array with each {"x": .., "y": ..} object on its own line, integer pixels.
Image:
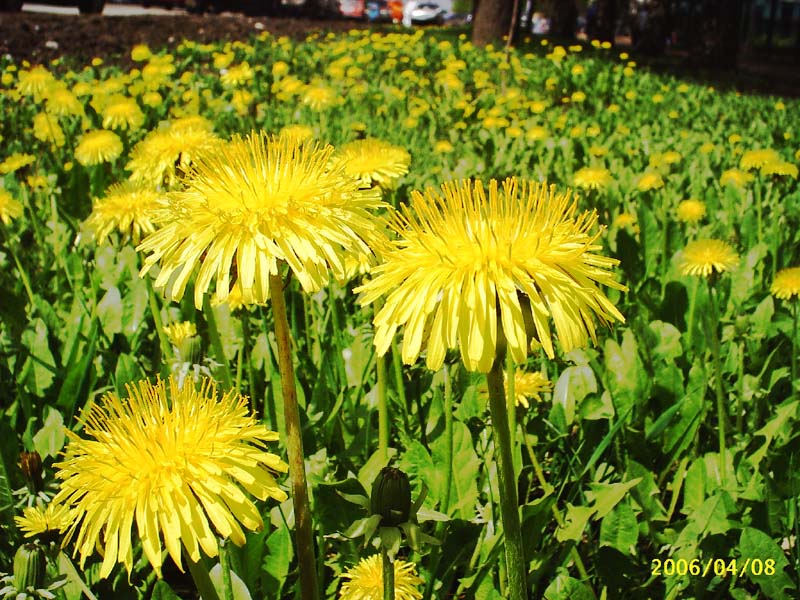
[
  {"x": 690, "y": 320},
  {"x": 383, "y": 408},
  {"x": 163, "y": 342},
  {"x": 758, "y": 210},
  {"x": 398, "y": 382},
  {"x": 388, "y": 576},
  {"x": 383, "y": 405},
  {"x": 717, "y": 361},
  {"x": 216, "y": 343},
  {"x": 794, "y": 349},
  {"x": 509, "y": 509},
  {"x": 511, "y": 408},
  {"x": 201, "y": 579},
  {"x": 294, "y": 445},
  {"x": 225, "y": 567},
  {"x": 448, "y": 440}
]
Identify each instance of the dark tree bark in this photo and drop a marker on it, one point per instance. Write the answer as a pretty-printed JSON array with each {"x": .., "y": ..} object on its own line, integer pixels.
[
  {"x": 606, "y": 20},
  {"x": 564, "y": 19},
  {"x": 491, "y": 21}
]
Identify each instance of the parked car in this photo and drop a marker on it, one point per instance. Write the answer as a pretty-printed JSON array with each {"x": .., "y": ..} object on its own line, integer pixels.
[
  {"x": 84, "y": 6},
  {"x": 428, "y": 13}
]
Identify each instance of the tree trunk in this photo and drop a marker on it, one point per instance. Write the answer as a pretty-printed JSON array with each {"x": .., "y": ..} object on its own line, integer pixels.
[
  {"x": 564, "y": 19},
  {"x": 491, "y": 21},
  {"x": 606, "y": 20}
]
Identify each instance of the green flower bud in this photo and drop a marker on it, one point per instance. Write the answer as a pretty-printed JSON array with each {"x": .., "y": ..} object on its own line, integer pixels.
[
  {"x": 391, "y": 496},
  {"x": 29, "y": 567}
]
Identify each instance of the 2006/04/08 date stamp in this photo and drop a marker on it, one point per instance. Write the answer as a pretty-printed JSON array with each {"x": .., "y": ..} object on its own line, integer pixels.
[{"x": 713, "y": 566}]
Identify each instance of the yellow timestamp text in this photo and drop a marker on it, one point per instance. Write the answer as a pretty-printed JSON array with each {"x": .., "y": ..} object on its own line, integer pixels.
[{"x": 720, "y": 567}]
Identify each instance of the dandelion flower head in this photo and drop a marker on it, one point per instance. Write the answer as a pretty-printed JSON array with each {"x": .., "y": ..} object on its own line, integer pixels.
[
  {"x": 122, "y": 112},
  {"x": 166, "y": 153},
  {"x": 649, "y": 181},
  {"x": 177, "y": 462},
  {"x": 127, "y": 208},
  {"x": 177, "y": 333},
  {"x": 47, "y": 129},
  {"x": 786, "y": 283},
  {"x": 373, "y": 162},
  {"x": 44, "y": 522},
  {"x": 9, "y": 207},
  {"x": 97, "y": 147},
  {"x": 527, "y": 386},
  {"x": 781, "y": 168},
  {"x": 735, "y": 178},
  {"x": 594, "y": 178},
  {"x": 471, "y": 260},
  {"x": 15, "y": 162},
  {"x": 258, "y": 201},
  {"x": 704, "y": 257},
  {"x": 755, "y": 159},
  {"x": 691, "y": 210},
  {"x": 365, "y": 581},
  {"x": 35, "y": 82}
]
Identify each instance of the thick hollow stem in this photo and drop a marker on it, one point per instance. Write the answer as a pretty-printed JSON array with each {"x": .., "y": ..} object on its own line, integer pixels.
[
  {"x": 225, "y": 567},
  {"x": 216, "y": 342},
  {"x": 509, "y": 509},
  {"x": 713, "y": 330},
  {"x": 388, "y": 576},
  {"x": 201, "y": 578},
  {"x": 294, "y": 445},
  {"x": 795, "y": 392}
]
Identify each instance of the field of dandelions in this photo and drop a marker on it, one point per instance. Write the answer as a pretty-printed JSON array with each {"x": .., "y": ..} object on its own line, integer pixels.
[{"x": 238, "y": 281}]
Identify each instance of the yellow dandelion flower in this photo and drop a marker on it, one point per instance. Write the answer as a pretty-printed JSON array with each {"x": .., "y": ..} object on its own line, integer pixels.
[
  {"x": 178, "y": 333},
  {"x": 755, "y": 159},
  {"x": 127, "y": 208},
  {"x": 443, "y": 147},
  {"x": 141, "y": 53},
  {"x": 257, "y": 201},
  {"x": 97, "y": 147},
  {"x": 735, "y": 178},
  {"x": 470, "y": 257},
  {"x": 165, "y": 154},
  {"x": 301, "y": 133},
  {"x": 15, "y": 162},
  {"x": 365, "y": 580},
  {"x": 47, "y": 129},
  {"x": 373, "y": 162},
  {"x": 122, "y": 112},
  {"x": 34, "y": 82},
  {"x": 536, "y": 133},
  {"x": 595, "y": 178},
  {"x": 237, "y": 75},
  {"x": 691, "y": 210},
  {"x": 61, "y": 102},
  {"x": 179, "y": 462},
  {"x": 527, "y": 386},
  {"x": 319, "y": 96},
  {"x": 786, "y": 283},
  {"x": 649, "y": 181},
  {"x": 44, "y": 523},
  {"x": 625, "y": 219},
  {"x": 704, "y": 257},
  {"x": 9, "y": 208},
  {"x": 781, "y": 168}
]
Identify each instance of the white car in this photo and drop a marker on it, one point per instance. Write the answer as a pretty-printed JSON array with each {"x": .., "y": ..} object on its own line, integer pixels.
[
  {"x": 84, "y": 6},
  {"x": 427, "y": 13}
]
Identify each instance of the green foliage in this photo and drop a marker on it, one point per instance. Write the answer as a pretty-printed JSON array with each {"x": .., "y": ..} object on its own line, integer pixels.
[{"x": 618, "y": 465}]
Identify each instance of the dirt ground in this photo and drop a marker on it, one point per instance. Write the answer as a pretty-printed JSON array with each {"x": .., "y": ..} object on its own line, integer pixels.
[{"x": 39, "y": 38}]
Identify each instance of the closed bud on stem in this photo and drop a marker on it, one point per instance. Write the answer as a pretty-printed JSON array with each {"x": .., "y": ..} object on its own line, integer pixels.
[
  {"x": 31, "y": 465},
  {"x": 391, "y": 497},
  {"x": 30, "y": 567}
]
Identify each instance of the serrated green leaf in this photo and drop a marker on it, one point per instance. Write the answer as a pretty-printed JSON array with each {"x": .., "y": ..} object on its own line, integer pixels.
[
  {"x": 574, "y": 522},
  {"x": 620, "y": 530},
  {"x": 607, "y": 495},
  {"x": 668, "y": 340},
  {"x": 109, "y": 311},
  {"x": 755, "y": 544},
  {"x": 49, "y": 440}
]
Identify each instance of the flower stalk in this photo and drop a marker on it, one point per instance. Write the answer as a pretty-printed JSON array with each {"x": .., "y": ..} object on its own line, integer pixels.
[
  {"x": 509, "y": 510},
  {"x": 201, "y": 578},
  {"x": 717, "y": 362},
  {"x": 294, "y": 443},
  {"x": 388, "y": 575}
]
